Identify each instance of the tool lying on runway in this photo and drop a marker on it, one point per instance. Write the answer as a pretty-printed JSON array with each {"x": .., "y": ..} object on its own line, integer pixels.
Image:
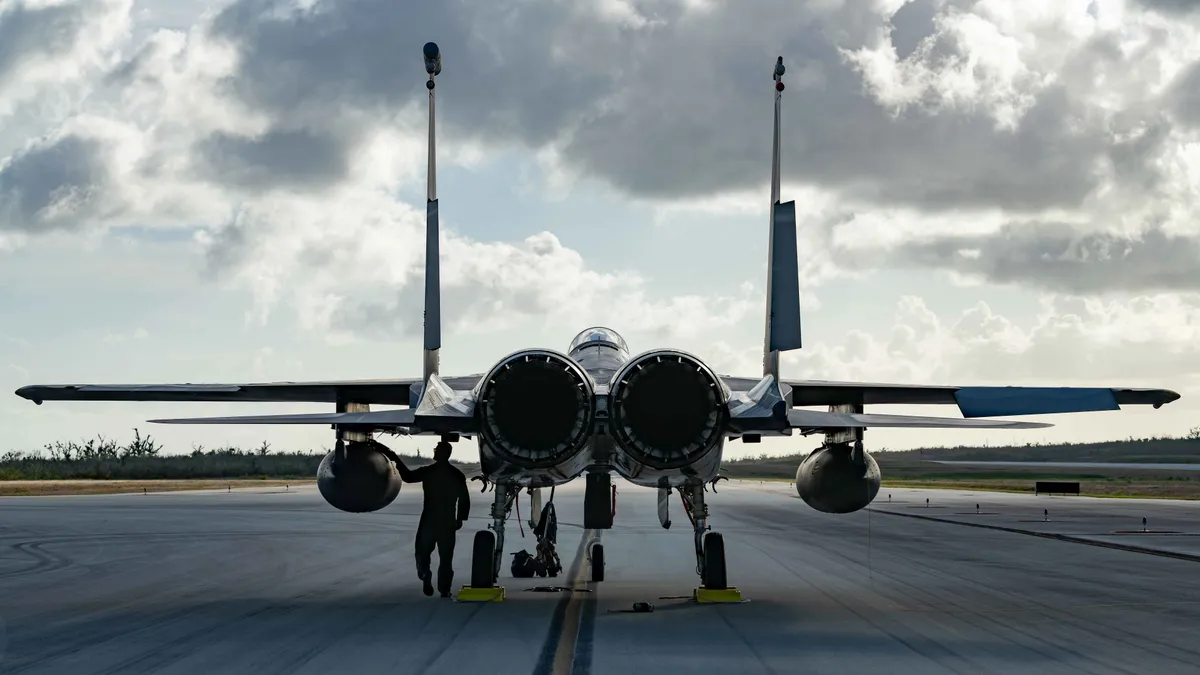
[
  {"x": 638, "y": 608},
  {"x": 556, "y": 589}
]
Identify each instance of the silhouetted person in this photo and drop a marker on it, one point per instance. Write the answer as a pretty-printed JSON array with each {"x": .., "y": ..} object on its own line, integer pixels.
[{"x": 447, "y": 505}]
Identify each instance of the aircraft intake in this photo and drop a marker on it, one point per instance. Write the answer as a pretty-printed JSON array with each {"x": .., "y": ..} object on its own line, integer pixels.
[
  {"x": 360, "y": 480},
  {"x": 535, "y": 408},
  {"x": 668, "y": 409},
  {"x": 829, "y": 480}
]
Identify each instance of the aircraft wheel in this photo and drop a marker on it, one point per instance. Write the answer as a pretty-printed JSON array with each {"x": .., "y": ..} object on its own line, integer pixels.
[
  {"x": 597, "y": 562},
  {"x": 483, "y": 559},
  {"x": 714, "y": 562}
]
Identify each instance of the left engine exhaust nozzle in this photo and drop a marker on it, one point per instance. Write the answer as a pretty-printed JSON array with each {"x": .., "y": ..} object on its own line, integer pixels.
[
  {"x": 361, "y": 480},
  {"x": 535, "y": 408}
]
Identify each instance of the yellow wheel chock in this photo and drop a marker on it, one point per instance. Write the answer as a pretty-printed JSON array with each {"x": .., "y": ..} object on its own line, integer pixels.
[
  {"x": 712, "y": 595},
  {"x": 469, "y": 594}
]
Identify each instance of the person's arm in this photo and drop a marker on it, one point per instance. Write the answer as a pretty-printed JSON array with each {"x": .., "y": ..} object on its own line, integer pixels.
[{"x": 406, "y": 474}]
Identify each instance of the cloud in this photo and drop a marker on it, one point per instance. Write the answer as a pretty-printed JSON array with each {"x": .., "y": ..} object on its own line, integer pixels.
[
  {"x": 1072, "y": 340},
  {"x": 1059, "y": 257},
  {"x": 58, "y": 183},
  {"x": 294, "y": 157},
  {"x": 1185, "y": 96},
  {"x": 348, "y": 268},
  {"x": 1171, "y": 7},
  {"x": 1039, "y": 144},
  {"x": 935, "y": 105},
  {"x": 51, "y": 44},
  {"x": 655, "y": 99}
]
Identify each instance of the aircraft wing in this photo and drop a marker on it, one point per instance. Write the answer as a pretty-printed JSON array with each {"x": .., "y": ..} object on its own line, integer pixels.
[
  {"x": 971, "y": 401},
  {"x": 383, "y": 392}
]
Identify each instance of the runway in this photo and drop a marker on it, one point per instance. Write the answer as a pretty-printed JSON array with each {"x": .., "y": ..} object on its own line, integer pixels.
[{"x": 266, "y": 581}]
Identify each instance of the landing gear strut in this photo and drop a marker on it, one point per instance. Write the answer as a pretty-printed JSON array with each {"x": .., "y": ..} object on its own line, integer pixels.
[
  {"x": 710, "y": 546},
  {"x": 489, "y": 544}
]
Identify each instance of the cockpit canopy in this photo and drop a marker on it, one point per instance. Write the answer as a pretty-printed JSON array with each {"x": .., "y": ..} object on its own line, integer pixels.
[{"x": 599, "y": 335}]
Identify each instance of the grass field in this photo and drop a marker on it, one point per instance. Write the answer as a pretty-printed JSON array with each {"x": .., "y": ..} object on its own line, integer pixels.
[
  {"x": 903, "y": 472},
  {"x": 96, "y": 487}
]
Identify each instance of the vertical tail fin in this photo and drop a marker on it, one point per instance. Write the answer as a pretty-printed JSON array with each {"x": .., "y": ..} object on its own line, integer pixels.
[
  {"x": 433, "y": 282},
  {"x": 783, "y": 274}
]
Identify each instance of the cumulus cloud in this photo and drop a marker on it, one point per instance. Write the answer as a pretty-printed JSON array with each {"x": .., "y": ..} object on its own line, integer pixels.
[
  {"x": 1172, "y": 7},
  {"x": 349, "y": 269},
  {"x": 981, "y": 104},
  {"x": 1044, "y": 144},
  {"x": 1071, "y": 340},
  {"x": 51, "y": 43},
  {"x": 1059, "y": 257}
]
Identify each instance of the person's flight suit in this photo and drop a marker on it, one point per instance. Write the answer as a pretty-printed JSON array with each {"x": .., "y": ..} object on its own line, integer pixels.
[{"x": 447, "y": 505}]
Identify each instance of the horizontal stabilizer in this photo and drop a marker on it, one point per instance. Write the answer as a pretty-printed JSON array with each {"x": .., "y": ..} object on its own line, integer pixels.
[
  {"x": 992, "y": 401},
  {"x": 379, "y": 419},
  {"x": 826, "y": 392},
  {"x": 816, "y": 419}
]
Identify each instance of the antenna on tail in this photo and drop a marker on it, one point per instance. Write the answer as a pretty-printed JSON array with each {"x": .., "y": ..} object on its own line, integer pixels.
[{"x": 433, "y": 287}]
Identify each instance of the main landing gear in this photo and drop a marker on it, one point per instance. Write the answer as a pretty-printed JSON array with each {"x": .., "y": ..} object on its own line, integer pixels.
[
  {"x": 710, "y": 546},
  {"x": 489, "y": 544}
]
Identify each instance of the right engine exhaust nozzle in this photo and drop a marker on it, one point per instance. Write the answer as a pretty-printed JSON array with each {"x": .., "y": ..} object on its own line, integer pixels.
[{"x": 829, "y": 480}]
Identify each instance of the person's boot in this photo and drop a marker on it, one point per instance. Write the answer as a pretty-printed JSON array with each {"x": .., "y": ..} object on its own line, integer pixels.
[
  {"x": 426, "y": 582},
  {"x": 444, "y": 583}
]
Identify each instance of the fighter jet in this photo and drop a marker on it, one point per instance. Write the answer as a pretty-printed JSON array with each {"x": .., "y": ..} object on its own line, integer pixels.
[{"x": 659, "y": 419}]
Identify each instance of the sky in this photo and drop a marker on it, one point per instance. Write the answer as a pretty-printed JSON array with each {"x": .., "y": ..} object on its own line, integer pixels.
[{"x": 988, "y": 192}]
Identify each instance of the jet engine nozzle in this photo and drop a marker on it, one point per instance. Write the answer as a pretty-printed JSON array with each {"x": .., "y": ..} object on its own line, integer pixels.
[
  {"x": 668, "y": 409},
  {"x": 535, "y": 408}
]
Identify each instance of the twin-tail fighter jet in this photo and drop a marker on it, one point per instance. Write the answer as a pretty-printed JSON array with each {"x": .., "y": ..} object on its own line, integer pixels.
[{"x": 659, "y": 419}]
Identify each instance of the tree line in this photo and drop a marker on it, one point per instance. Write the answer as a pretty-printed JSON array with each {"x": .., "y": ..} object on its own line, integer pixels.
[{"x": 141, "y": 458}]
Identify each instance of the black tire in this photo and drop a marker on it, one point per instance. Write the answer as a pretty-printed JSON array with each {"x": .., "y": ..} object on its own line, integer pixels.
[
  {"x": 483, "y": 555},
  {"x": 714, "y": 562},
  {"x": 597, "y": 562}
]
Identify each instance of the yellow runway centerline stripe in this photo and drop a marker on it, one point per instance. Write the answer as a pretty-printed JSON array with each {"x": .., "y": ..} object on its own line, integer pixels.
[{"x": 564, "y": 651}]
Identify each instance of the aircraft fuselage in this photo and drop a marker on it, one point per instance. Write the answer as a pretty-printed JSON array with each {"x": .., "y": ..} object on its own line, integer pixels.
[{"x": 602, "y": 354}]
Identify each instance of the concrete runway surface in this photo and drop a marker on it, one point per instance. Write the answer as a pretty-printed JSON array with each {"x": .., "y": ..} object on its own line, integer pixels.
[{"x": 265, "y": 581}]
